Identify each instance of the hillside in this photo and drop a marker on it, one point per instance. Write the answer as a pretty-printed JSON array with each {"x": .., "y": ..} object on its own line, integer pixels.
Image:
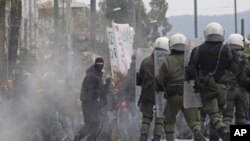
[{"x": 185, "y": 24}]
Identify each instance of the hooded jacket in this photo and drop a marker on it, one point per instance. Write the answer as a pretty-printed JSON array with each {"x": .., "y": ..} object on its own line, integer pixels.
[{"x": 92, "y": 87}]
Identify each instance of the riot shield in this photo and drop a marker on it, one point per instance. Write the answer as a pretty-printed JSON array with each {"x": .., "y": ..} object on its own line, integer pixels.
[
  {"x": 191, "y": 98},
  {"x": 141, "y": 53},
  {"x": 160, "y": 101}
]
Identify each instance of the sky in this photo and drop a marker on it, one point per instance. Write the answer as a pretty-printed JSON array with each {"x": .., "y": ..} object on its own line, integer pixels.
[{"x": 205, "y": 7}]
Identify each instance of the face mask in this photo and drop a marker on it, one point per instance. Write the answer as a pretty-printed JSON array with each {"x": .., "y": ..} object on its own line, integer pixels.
[{"x": 99, "y": 67}]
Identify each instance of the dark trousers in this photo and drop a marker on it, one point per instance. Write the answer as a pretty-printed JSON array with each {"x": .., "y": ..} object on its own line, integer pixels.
[{"x": 92, "y": 120}]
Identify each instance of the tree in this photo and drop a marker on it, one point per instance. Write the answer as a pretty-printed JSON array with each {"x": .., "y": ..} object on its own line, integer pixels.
[
  {"x": 124, "y": 11},
  {"x": 158, "y": 23},
  {"x": 132, "y": 12},
  {"x": 147, "y": 26},
  {"x": 2, "y": 40},
  {"x": 117, "y": 10},
  {"x": 141, "y": 21},
  {"x": 15, "y": 21}
]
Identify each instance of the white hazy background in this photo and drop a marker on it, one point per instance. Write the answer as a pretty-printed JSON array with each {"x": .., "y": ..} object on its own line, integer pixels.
[{"x": 205, "y": 7}]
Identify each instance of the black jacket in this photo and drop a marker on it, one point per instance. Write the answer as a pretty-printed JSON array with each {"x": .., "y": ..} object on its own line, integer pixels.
[
  {"x": 204, "y": 59},
  {"x": 92, "y": 91}
]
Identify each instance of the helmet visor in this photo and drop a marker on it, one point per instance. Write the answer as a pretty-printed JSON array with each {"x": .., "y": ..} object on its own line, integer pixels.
[{"x": 215, "y": 38}]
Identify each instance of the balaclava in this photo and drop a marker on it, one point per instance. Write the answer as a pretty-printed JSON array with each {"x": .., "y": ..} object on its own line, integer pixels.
[{"x": 99, "y": 63}]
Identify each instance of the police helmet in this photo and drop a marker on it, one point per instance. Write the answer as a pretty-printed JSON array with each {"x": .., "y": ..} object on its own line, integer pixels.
[
  {"x": 214, "y": 32},
  {"x": 236, "y": 41},
  {"x": 177, "y": 42},
  {"x": 162, "y": 43},
  {"x": 246, "y": 41}
]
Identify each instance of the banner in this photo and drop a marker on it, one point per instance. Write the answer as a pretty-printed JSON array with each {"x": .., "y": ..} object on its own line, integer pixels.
[
  {"x": 112, "y": 51},
  {"x": 123, "y": 35}
]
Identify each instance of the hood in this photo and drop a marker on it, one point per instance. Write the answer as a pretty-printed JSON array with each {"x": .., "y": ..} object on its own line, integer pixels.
[{"x": 92, "y": 69}]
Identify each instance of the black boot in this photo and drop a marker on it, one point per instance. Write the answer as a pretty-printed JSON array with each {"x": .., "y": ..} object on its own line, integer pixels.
[
  {"x": 156, "y": 138},
  {"x": 144, "y": 137},
  {"x": 224, "y": 133},
  {"x": 198, "y": 136}
]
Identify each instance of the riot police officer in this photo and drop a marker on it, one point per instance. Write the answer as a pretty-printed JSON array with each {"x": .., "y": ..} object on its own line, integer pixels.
[
  {"x": 146, "y": 79},
  {"x": 211, "y": 59},
  {"x": 171, "y": 77},
  {"x": 93, "y": 99},
  {"x": 237, "y": 96}
]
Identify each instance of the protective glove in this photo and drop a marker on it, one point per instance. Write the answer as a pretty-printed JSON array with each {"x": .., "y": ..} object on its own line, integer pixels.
[
  {"x": 187, "y": 77},
  {"x": 243, "y": 80},
  {"x": 138, "y": 80},
  {"x": 222, "y": 102},
  {"x": 158, "y": 86}
]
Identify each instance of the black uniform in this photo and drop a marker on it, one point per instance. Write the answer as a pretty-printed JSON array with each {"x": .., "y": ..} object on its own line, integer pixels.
[{"x": 93, "y": 99}]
